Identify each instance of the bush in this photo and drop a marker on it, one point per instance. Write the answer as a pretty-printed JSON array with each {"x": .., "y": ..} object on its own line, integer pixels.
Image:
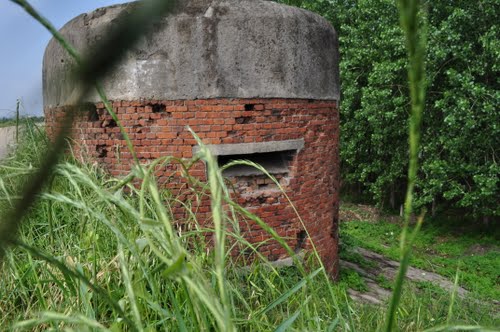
[{"x": 461, "y": 135}]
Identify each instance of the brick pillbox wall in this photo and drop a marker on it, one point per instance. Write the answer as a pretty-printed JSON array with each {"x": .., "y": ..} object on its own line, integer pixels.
[
  {"x": 254, "y": 79},
  {"x": 158, "y": 128}
]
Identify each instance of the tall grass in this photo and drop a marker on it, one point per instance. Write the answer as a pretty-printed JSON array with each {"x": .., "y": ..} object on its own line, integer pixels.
[
  {"x": 117, "y": 255},
  {"x": 98, "y": 253}
]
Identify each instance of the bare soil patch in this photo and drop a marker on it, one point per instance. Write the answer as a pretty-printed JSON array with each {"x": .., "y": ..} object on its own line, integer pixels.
[
  {"x": 361, "y": 212},
  {"x": 479, "y": 249}
]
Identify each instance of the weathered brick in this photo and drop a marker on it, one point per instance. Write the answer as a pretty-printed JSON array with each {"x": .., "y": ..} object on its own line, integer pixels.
[{"x": 311, "y": 181}]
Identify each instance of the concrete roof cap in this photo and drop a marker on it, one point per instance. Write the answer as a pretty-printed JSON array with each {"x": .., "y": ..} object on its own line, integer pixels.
[{"x": 209, "y": 49}]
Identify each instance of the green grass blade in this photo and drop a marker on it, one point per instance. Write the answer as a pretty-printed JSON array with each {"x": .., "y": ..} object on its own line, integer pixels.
[
  {"x": 53, "y": 317},
  {"x": 398, "y": 283},
  {"x": 90, "y": 69},
  {"x": 333, "y": 325},
  {"x": 449, "y": 328},
  {"x": 216, "y": 183},
  {"x": 453, "y": 295},
  {"x": 79, "y": 276},
  {"x": 288, "y": 322},
  {"x": 410, "y": 20},
  {"x": 290, "y": 292},
  {"x": 130, "y": 290}
]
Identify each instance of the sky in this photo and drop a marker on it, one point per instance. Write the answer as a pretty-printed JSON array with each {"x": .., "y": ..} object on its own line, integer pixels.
[{"x": 22, "y": 44}]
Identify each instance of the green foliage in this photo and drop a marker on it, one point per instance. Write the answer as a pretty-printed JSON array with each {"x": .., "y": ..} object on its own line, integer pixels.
[
  {"x": 460, "y": 133},
  {"x": 352, "y": 280},
  {"x": 384, "y": 282}
]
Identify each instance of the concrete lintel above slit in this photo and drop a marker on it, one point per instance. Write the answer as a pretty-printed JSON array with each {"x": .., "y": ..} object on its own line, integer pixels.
[{"x": 250, "y": 148}]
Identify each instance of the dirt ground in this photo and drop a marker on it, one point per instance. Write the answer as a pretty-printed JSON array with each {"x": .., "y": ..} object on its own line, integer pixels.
[
  {"x": 360, "y": 212},
  {"x": 389, "y": 268},
  {"x": 6, "y": 137}
]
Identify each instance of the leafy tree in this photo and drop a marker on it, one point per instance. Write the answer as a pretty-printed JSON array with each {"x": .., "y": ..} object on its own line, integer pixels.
[{"x": 461, "y": 129}]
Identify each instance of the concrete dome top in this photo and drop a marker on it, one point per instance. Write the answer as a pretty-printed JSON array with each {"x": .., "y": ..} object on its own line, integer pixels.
[{"x": 209, "y": 49}]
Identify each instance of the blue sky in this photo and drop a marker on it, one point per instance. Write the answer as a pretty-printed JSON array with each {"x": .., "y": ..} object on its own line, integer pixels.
[{"x": 23, "y": 42}]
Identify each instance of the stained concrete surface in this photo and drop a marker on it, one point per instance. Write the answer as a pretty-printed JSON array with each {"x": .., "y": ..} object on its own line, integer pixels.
[
  {"x": 208, "y": 49},
  {"x": 255, "y": 147}
]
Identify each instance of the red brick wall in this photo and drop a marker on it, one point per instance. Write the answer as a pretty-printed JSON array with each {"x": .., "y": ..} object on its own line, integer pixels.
[{"x": 158, "y": 128}]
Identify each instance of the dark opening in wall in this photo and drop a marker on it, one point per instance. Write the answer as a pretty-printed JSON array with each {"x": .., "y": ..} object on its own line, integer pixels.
[
  {"x": 109, "y": 123},
  {"x": 92, "y": 114},
  {"x": 157, "y": 108},
  {"x": 249, "y": 107},
  {"x": 102, "y": 151},
  {"x": 275, "y": 162},
  {"x": 245, "y": 119},
  {"x": 275, "y": 112},
  {"x": 301, "y": 239}
]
